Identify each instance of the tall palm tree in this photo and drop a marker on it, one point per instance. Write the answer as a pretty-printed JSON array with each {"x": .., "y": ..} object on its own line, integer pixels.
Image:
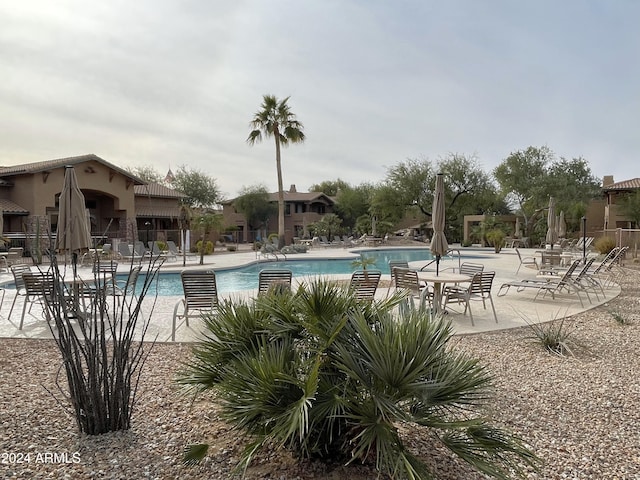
[{"x": 275, "y": 119}]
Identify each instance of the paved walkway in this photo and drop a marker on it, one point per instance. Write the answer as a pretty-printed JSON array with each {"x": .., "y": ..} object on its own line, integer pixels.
[{"x": 513, "y": 310}]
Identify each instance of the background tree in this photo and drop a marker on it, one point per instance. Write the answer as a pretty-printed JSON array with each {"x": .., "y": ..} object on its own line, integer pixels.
[
  {"x": 254, "y": 204},
  {"x": 201, "y": 189},
  {"x": 528, "y": 177},
  {"x": 522, "y": 178},
  {"x": 412, "y": 183},
  {"x": 630, "y": 207},
  {"x": 353, "y": 202},
  {"x": 206, "y": 222},
  {"x": 275, "y": 119},
  {"x": 328, "y": 225},
  {"x": 573, "y": 186},
  {"x": 146, "y": 173},
  {"x": 330, "y": 187}
]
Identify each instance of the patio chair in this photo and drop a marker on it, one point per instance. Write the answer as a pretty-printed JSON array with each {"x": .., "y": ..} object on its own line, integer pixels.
[
  {"x": 392, "y": 265},
  {"x": 585, "y": 281},
  {"x": 18, "y": 281},
  {"x": 39, "y": 288},
  {"x": 200, "y": 297},
  {"x": 553, "y": 284},
  {"x": 602, "y": 272},
  {"x": 466, "y": 268},
  {"x": 14, "y": 255},
  {"x": 364, "y": 283},
  {"x": 526, "y": 261},
  {"x": 127, "y": 288},
  {"x": 155, "y": 250},
  {"x": 478, "y": 289},
  {"x": 278, "y": 279},
  {"x": 125, "y": 252},
  {"x": 407, "y": 280}
]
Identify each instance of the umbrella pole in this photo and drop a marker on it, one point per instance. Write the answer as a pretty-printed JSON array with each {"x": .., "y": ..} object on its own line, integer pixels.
[{"x": 437, "y": 264}]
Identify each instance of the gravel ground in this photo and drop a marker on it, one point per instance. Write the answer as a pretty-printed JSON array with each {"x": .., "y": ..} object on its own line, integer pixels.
[{"x": 580, "y": 413}]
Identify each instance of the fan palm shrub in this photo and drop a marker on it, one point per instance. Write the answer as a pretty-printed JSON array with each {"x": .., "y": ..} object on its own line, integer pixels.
[{"x": 328, "y": 377}]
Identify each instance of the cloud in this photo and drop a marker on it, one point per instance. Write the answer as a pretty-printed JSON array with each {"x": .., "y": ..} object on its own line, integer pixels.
[{"x": 170, "y": 83}]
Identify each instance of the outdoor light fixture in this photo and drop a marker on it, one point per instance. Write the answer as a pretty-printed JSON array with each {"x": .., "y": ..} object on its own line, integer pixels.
[{"x": 148, "y": 225}]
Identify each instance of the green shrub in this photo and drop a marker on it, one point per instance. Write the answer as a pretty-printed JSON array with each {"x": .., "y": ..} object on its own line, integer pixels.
[
  {"x": 496, "y": 238},
  {"x": 208, "y": 247},
  {"x": 328, "y": 377},
  {"x": 604, "y": 245},
  {"x": 162, "y": 245},
  {"x": 466, "y": 243},
  {"x": 231, "y": 248},
  {"x": 553, "y": 336},
  {"x": 295, "y": 248}
]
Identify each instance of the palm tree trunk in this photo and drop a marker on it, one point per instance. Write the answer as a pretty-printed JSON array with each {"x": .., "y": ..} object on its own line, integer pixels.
[{"x": 276, "y": 134}]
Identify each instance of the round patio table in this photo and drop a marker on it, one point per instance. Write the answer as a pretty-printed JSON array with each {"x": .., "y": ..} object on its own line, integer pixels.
[{"x": 437, "y": 281}]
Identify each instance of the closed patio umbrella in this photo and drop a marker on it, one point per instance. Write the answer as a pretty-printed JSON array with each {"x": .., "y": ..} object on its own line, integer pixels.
[
  {"x": 74, "y": 231},
  {"x": 517, "y": 232},
  {"x": 562, "y": 225},
  {"x": 552, "y": 234},
  {"x": 439, "y": 245}
]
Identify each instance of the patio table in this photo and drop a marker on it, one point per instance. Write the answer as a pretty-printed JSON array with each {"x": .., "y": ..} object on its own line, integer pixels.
[{"x": 438, "y": 280}]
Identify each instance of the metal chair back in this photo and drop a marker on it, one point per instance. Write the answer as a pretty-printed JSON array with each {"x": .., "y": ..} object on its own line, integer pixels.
[{"x": 364, "y": 283}]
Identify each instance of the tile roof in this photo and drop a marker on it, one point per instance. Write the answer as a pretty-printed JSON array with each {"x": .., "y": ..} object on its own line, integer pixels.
[
  {"x": 157, "y": 190},
  {"x": 293, "y": 197},
  {"x": 7, "y": 206},
  {"x": 35, "y": 167},
  {"x": 158, "y": 212},
  {"x": 632, "y": 184}
]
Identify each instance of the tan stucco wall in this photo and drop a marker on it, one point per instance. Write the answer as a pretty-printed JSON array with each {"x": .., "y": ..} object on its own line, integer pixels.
[{"x": 37, "y": 192}]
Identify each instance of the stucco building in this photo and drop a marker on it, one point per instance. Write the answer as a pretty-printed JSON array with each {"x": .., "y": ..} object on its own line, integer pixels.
[
  {"x": 119, "y": 203},
  {"x": 301, "y": 210}
]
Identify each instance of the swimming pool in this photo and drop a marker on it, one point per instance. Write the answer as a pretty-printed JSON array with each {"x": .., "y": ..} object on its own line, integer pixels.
[{"x": 246, "y": 277}]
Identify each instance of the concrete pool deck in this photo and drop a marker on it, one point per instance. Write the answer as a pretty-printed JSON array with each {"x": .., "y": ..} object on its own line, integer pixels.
[{"x": 513, "y": 310}]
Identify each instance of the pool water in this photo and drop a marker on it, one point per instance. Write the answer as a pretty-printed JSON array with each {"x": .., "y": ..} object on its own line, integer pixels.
[{"x": 246, "y": 277}]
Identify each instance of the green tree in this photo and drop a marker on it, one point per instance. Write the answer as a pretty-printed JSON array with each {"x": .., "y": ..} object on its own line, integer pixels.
[
  {"x": 145, "y": 172},
  {"x": 411, "y": 183},
  {"x": 330, "y": 187},
  {"x": 325, "y": 375},
  {"x": 275, "y": 119},
  {"x": 528, "y": 177},
  {"x": 352, "y": 202},
  {"x": 201, "y": 189},
  {"x": 328, "y": 225},
  {"x": 630, "y": 207},
  {"x": 206, "y": 222},
  {"x": 254, "y": 204}
]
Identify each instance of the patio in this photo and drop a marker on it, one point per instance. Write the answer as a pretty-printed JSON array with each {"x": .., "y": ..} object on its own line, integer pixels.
[{"x": 513, "y": 310}]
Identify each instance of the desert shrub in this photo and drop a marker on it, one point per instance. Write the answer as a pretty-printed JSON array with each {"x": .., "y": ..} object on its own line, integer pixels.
[
  {"x": 553, "y": 336},
  {"x": 295, "y": 248},
  {"x": 102, "y": 345},
  {"x": 208, "y": 247},
  {"x": 496, "y": 238},
  {"x": 604, "y": 245},
  {"x": 328, "y": 377}
]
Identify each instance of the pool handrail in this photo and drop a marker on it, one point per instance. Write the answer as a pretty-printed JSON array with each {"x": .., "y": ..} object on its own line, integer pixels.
[{"x": 448, "y": 254}]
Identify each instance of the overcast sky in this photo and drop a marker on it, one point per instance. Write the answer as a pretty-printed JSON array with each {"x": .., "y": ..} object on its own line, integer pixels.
[{"x": 167, "y": 83}]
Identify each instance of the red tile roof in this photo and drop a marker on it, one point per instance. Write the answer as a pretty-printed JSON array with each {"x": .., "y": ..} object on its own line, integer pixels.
[
  {"x": 632, "y": 184},
  {"x": 157, "y": 190}
]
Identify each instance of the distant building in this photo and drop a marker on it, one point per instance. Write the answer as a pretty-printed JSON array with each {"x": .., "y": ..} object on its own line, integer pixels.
[
  {"x": 301, "y": 210},
  {"x": 613, "y": 193}
]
